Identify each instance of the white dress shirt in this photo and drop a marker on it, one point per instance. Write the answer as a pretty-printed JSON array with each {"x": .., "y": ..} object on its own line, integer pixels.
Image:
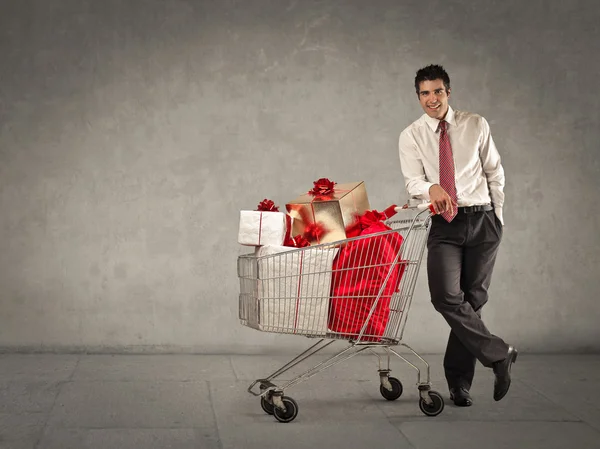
[{"x": 478, "y": 170}]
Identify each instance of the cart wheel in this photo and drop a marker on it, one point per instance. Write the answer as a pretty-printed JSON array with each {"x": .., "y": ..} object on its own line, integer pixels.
[
  {"x": 435, "y": 408},
  {"x": 396, "y": 389},
  {"x": 266, "y": 406},
  {"x": 291, "y": 410}
]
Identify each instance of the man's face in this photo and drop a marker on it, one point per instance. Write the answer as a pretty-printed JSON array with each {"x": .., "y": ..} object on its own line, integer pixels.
[{"x": 434, "y": 98}]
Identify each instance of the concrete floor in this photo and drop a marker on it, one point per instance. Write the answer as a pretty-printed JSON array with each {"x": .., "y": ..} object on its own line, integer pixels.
[{"x": 187, "y": 401}]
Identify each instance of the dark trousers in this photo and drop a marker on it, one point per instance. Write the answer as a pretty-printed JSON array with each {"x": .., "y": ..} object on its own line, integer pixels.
[{"x": 460, "y": 262}]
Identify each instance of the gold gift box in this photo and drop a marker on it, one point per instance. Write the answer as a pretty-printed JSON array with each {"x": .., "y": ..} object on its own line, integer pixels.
[{"x": 334, "y": 212}]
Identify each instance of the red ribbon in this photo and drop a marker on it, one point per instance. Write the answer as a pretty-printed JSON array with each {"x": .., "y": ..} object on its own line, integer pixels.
[
  {"x": 288, "y": 228},
  {"x": 267, "y": 206},
  {"x": 323, "y": 188},
  {"x": 315, "y": 231},
  {"x": 297, "y": 242},
  {"x": 299, "y": 290},
  {"x": 369, "y": 218}
]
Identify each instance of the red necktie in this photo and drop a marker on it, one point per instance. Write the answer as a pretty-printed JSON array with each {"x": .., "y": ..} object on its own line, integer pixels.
[{"x": 447, "y": 171}]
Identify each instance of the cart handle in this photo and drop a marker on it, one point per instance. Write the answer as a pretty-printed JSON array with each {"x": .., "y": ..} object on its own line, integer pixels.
[{"x": 420, "y": 207}]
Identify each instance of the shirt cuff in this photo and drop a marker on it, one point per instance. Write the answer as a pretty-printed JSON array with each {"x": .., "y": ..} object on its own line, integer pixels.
[
  {"x": 426, "y": 187},
  {"x": 498, "y": 212}
]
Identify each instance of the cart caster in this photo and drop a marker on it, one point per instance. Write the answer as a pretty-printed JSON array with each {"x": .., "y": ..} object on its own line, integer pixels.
[
  {"x": 266, "y": 406},
  {"x": 436, "y": 406},
  {"x": 396, "y": 391},
  {"x": 291, "y": 410}
]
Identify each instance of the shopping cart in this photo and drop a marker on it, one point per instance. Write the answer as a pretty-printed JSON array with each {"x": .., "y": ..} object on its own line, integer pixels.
[{"x": 358, "y": 290}]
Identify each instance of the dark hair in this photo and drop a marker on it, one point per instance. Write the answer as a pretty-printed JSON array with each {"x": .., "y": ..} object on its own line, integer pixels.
[{"x": 430, "y": 73}]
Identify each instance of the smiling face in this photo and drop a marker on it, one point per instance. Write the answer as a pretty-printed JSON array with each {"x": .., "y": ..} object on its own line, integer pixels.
[{"x": 434, "y": 98}]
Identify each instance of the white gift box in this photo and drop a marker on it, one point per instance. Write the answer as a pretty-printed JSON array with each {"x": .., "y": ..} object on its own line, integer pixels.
[
  {"x": 293, "y": 289},
  {"x": 259, "y": 228}
]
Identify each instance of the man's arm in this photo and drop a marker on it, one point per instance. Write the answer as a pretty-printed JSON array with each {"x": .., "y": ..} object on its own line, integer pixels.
[
  {"x": 412, "y": 168},
  {"x": 492, "y": 167}
]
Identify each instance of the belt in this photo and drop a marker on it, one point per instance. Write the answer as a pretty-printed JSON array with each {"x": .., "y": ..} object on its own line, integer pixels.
[{"x": 473, "y": 209}]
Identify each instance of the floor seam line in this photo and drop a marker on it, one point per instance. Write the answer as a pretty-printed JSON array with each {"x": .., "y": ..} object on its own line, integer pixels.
[
  {"x": 576, "y": 415},
  {"x": 60, "y": 384},
  {"x": 235, "y": 374},
  {"x": 214, "y": 412},
  {"x": 396, "y": 428}
]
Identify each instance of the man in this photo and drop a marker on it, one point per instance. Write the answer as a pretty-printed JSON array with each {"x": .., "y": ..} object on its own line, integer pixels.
[{"x": 449, "y": 158}]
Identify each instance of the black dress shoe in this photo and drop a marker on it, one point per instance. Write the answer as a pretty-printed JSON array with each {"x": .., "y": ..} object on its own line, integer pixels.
[
  {"x": 461, "y": 397},
  {"x": 502, "y": 372}
]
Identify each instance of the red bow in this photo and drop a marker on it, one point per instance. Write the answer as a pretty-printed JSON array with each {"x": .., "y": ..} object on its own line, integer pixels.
[
  {"x": 367, "y": 219},
  {"x": 267, "y": 206},
  {"x": 297, "y": 242},
  {"x": 314, "y": 231},
  {"x": 322, "y": 187}
]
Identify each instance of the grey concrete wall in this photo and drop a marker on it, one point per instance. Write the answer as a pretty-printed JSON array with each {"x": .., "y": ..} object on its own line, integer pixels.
[{"x": 133, "y": 132}]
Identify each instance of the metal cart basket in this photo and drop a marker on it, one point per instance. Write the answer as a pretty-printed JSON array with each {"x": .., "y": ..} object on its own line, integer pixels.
[{"x": 358, "y": 290}]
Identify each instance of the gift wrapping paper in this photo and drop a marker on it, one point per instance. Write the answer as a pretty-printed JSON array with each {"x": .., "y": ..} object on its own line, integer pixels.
[
  {"x": 293, "y": 289},
  {"x": 333, "y": 212},
  {"x": 259, "y": 228}
]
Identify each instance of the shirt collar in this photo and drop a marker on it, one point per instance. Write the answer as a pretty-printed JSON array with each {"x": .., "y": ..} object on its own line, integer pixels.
[{"x": 434, "y": 123}]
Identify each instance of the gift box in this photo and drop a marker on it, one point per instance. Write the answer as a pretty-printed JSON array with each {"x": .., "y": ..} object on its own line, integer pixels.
[
  {"x": 360, "y": 271},
  {"x": 293, "y": 289},
  {"x": 264, "y": 226},
  {"x": 323, "y": 214}
]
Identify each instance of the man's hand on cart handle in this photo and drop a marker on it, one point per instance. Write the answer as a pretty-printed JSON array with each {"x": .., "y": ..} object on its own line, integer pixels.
[{"x": 440, "y": 199}]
